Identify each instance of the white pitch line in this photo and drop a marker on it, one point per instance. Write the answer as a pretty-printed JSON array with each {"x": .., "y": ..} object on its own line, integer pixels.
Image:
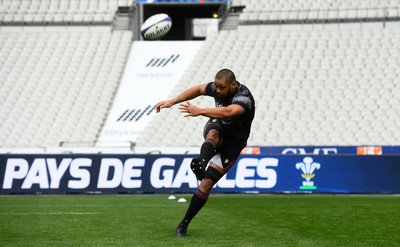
[{"x": 54, "y": 213}]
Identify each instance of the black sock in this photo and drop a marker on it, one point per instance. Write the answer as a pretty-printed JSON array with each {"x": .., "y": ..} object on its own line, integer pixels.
[
  {"x": 198, "y": 200},
  {"x": 207, "y": 150}
]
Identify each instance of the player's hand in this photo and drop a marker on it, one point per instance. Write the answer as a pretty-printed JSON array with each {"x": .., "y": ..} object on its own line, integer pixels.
[
  {"x": 189, "y": 109},
  {"x": 163, "y": 104}
]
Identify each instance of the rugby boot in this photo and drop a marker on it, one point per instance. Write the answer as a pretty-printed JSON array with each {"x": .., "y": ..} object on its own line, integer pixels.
[{"x": 181, "y": 231}]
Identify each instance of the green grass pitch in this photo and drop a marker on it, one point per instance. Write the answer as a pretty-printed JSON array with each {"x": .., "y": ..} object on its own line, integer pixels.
[{"x": 226, "y": 220}]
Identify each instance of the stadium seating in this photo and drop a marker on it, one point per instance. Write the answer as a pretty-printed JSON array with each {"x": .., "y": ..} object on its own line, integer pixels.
[
  {"x": 313, "y": 87},
  {"x": 256, "y": 11},
  {"x": 57, "y": 84},
  {"x": 313, "y": 84},
  {"x": 280, "y": 5},
  {"x": 59, "y": 11}
]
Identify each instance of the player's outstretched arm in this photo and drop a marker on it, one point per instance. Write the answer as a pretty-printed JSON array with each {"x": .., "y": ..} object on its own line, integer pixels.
[
  {"x": 188, "y": 94},
  {"x": 230, "y": 111}
]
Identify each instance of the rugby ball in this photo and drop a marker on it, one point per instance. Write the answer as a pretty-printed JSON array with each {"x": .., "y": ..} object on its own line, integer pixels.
[{"x": 156, "y": 26}]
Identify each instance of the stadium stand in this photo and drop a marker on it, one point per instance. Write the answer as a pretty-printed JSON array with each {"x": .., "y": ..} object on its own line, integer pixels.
[
  {"x": 57, "y": 84},
  {"x": 315, "y": 84},
  {"x": 61, "y": 63},
  {"x": 313, "y": 87},
  {"x": 271, "y": 11},
  {"x": 61, "y": 11}
]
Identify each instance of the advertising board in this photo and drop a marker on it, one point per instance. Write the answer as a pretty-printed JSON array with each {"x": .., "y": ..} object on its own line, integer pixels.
[{"x": 57, "y": 174}]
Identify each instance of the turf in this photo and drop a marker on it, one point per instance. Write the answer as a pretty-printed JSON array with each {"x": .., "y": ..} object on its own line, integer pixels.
[{"x": 226, "y": 220}]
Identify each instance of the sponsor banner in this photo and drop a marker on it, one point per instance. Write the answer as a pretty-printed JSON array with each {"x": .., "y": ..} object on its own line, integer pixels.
[
  {"x": 152, "y": 71},
  {"x": 324, "y": 150},
  {"x": 54, "y": 174}
]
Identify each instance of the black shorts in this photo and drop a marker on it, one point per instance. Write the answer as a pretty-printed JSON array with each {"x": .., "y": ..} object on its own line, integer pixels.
[{"x": 229, "y": 147}]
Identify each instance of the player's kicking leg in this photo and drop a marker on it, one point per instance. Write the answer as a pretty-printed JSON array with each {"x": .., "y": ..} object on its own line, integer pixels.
[{"x": 200, "y": 197}]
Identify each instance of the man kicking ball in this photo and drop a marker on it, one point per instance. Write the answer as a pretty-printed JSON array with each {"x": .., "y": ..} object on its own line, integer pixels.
[{"x": 225, "y": 133}]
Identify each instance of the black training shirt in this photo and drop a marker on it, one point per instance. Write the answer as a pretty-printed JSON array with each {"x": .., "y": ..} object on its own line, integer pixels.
[{"x": 239, "y": 126}]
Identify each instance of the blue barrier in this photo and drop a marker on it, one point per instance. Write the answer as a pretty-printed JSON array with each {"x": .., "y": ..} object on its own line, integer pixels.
[
  {"x": 323, "y": 150},
  {"x": 55, "y": 174}
]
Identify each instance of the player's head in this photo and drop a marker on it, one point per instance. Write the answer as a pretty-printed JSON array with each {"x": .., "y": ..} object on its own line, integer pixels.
[{"x": 225, "y": 82}]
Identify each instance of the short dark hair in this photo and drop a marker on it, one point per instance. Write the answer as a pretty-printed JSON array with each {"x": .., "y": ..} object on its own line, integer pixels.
[{"x": 226, "y": 74}]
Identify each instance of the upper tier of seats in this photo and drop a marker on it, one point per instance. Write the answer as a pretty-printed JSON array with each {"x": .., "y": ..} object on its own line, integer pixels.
[
  {"x": 256, "y": 11},
  {"x": 62, "y": 11}
]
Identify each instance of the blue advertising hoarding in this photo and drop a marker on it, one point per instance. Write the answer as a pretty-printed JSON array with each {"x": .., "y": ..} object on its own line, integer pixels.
[
  {"x": 323, "y": 150},
  {"x": 55, "y": 174}
]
